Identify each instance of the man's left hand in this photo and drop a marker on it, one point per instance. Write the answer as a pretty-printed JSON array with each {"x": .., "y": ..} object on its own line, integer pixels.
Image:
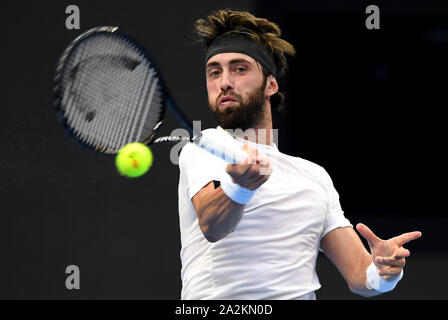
[{"x": 389, "y": 256}]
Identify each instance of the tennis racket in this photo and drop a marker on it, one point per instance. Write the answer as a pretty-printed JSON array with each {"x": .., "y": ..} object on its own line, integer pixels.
[{"x": 108, "y": 93}]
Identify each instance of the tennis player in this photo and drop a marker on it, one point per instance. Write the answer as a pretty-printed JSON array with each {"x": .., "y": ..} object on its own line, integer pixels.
[{"x": 254, "y": 230}]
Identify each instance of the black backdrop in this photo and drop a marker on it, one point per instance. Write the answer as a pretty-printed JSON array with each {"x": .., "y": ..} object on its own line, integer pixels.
[{"x": 366, "y": 105}]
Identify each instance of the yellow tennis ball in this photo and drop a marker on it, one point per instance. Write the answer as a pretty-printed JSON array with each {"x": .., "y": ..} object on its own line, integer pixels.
[{"x": 134, "y": 160}]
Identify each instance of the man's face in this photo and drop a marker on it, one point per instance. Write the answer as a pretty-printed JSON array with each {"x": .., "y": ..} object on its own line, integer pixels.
[{"x": 236, "y": 90}]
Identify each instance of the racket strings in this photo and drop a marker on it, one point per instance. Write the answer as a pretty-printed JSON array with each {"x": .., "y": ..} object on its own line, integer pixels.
[{"x": 112, "y": 95}]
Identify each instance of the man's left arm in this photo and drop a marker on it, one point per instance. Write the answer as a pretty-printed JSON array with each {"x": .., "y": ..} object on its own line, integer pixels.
[{"x": 347, "y": 252}]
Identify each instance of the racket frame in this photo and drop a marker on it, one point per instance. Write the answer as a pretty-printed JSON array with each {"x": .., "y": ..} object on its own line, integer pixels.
[{"x": 166, "y": 100}]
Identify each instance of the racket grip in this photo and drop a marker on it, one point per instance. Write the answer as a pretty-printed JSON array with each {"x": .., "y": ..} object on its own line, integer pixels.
[{"x": 222, "y": 145}]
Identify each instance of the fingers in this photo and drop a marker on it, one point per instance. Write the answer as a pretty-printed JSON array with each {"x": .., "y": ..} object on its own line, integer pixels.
[
  {"x": 254, "y": 157},
  {"x": 253, "y": 178},
  {"x": 389, "y": 272},
  {"x": 389, "y": 267},
  {"x": 402, "y": 253},
  {"x": 253, "y": 154},
  {"x": 390, "y": 262},
  {"x": 251, "y": 175},
  {"x": 367, "y": 234},
  {"x": 406, "y": 237},
  {"x": 237, "y": 170},
  {"x": 259, "y": 181},
  {"x": 244, "y": 172},
  {"x": 265, "y": 166},
  {"x": 396, "y": 259}
]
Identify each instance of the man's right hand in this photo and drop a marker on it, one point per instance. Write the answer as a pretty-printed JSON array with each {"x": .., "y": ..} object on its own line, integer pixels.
[{"x": 253, "y": 172}]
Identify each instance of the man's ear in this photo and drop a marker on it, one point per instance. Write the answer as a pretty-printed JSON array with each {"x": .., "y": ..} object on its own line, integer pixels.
[{"x": 271, "y": 86}]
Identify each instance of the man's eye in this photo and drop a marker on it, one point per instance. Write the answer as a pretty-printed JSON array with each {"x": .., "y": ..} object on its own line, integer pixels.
[
  {"x": 214, "y": 73},
  {"x": 240, "y": 69}
]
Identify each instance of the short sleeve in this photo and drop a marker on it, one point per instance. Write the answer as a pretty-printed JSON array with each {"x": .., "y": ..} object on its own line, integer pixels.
[
  {"x": 198, "y": 168},
  {"x": 335, "y": 216}
]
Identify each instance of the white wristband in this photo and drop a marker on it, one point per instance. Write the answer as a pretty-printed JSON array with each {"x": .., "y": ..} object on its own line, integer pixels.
[
  {"x": 376, "y": 282},
  {"x": 236, "y": 192}
]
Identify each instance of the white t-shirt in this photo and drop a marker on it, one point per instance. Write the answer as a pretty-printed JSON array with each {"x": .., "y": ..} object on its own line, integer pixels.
[{"x": 272, "y": 252}]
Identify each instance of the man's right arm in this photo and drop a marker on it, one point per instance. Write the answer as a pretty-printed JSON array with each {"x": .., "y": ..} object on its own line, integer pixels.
[{"x": 218, "y": 214}]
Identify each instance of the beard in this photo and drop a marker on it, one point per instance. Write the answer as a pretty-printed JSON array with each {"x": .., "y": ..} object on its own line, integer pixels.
[{"x": 245, "y": 115}]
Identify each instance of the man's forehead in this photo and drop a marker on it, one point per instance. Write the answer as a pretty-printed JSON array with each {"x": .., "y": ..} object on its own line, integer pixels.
[{"x": 228, "y": 57}]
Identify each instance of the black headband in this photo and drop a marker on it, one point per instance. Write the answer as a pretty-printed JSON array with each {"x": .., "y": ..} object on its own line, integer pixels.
[{"x": 239, "y": 43}]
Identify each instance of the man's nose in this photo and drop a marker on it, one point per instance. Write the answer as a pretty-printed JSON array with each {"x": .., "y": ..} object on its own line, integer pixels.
[{"x": 226, "y": 81}]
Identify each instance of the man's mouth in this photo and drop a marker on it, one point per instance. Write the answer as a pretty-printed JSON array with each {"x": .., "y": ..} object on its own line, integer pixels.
[{"x": 226, "y": 100}]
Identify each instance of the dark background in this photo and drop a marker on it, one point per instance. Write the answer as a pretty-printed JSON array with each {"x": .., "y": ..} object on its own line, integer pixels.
[{"x": 365, "y": 104}]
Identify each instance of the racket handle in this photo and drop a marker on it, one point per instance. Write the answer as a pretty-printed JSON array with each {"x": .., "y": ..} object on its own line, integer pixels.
[{"x": 222, "y": 145}]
